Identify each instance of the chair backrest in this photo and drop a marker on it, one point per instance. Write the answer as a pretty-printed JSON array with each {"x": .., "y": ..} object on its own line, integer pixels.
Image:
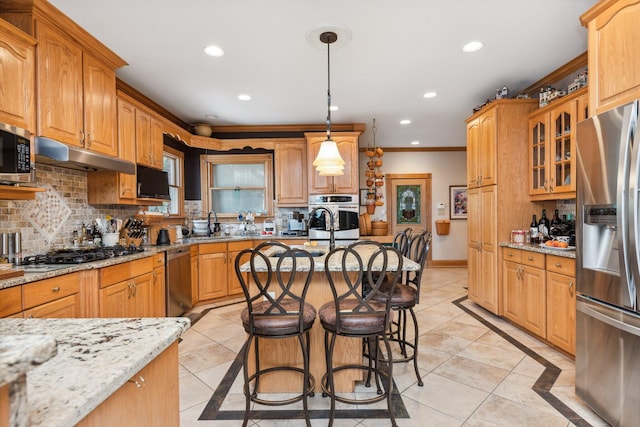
[
  {"x": 402, "y": 241},
  {"x": 418, "y": 252},
  {"x": 272, "y": 284},
  {"x": 359, "y": 263}
]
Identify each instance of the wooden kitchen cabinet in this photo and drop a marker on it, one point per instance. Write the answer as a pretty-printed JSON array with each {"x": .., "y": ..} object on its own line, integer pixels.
[
  {"x": 234, "y": 248},
  {"x": 291, "y": 173},
  {"x": 76, "y": 93},
  {"x": 158, "y": 288},
  {"x": 10, "y": 301},
  {"x": 482, "y": 248},
  {"x": 497, "y": 197},
  {"x": 552, "y": 148},
  {"x": 55, "y": 297},
  {"x": 212, "y": 271},
  {"x": 107, "y": 187},
  {"x": 149, "y": 139},
  {"x": 348, "y": 183},
  {"x": 614, "y": 63},
  {"x": 17, "y": 60},
  {"x": 561, "y": 303},
  {"x": 126, "y": 290},
  {"x": 149, "y": 398},
  {"x": 524, "y": 287}
]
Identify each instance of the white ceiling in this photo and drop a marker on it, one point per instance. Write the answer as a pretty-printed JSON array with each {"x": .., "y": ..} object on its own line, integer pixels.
[{"x": 398, "y": 51}]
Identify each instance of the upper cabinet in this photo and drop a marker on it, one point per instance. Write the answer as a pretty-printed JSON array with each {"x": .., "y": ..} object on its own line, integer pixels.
[
  {"x": 614, "y": 63},
  {"x": 149, "y": 138},
  {"x": 342, "y": 184},
  {"x": 76, "y": 93},
  {"x": 481, "y": 149},
  {"x": 17, "y": 80},
  {"x": 552, "y": 141},
  {"x": 291, "y": 161}
]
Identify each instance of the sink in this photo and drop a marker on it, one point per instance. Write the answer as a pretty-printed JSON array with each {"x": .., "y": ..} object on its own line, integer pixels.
[{"x": 299, "y": 254}]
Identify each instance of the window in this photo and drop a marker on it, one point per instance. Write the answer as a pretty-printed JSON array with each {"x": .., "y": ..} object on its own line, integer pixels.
[
  {"x": 172, "y": 163},
  {"x": 235, "y": 183}
]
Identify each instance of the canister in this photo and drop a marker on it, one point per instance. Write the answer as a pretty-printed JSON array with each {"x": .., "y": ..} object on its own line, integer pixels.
[{"x": 518, "y": 237}]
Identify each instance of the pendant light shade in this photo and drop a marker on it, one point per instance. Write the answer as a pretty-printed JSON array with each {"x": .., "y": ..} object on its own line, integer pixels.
[{"x": 328, "y": 162}]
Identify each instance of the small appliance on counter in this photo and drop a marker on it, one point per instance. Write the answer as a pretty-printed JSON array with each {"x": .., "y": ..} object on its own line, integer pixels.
[{"x": 269, "y": 227}]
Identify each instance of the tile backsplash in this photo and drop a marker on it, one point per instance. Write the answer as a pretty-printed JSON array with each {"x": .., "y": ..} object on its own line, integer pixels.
[{"x": 50, "y": 220}]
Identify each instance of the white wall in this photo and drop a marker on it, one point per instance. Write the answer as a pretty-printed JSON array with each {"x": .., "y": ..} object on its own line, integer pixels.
[{"x": 446, "y": 168}]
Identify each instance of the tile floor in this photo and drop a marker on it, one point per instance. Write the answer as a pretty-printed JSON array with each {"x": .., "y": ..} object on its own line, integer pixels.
[{"x": 478, "y": 370}]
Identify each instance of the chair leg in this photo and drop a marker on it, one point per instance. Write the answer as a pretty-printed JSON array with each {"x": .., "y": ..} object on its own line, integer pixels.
[
  {"x": 389, "y": 384},
  {"x": 247, "y": 391},
  {"x": 305, "y": 380},
  {"x": 257, "y": 354},
  {"x": 415, "y": 346},
  {"x": 330, "y": 384}
]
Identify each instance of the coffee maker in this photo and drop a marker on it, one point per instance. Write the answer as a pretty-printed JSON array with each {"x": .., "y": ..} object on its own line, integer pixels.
[{"x": 297, "y": 223}]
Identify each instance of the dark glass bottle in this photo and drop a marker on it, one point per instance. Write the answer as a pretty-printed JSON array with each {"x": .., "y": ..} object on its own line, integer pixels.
[
  {"x": 555, "y": 221},
  {"x": 543, "y": 226},
  {"x": 533, "y": 230}
]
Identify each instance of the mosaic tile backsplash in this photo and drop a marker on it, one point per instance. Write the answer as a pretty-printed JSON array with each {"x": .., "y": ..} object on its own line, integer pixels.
[{"x": 50, "y": 220}]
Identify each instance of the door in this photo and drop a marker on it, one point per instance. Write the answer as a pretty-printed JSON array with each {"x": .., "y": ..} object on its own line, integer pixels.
[{"x": 409, "y": 202}]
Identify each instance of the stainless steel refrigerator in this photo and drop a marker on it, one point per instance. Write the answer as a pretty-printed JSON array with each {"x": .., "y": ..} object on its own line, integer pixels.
[{"x": 607, "y": 262}]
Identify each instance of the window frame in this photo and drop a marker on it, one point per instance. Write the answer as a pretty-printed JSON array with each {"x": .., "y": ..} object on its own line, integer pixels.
[
  {"x": 209, "y": 160},
  {"x": 179, "y": 156}
]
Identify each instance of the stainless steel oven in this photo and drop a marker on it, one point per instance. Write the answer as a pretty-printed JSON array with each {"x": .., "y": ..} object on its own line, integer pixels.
[{"x": 344, "y": 214}]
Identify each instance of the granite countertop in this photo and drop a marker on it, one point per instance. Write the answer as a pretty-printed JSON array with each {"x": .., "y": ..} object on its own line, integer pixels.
[
  {"x": 95, "y": 357},
  {"x": 567, "y": 253},
  {"x": 31, "y": 275},
  {"x": 302, "y": 264}
]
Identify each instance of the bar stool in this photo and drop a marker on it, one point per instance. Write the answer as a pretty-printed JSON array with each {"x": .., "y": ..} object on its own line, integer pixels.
[
  {"x": 404, "y": 297},
  {"x": 275, "y": 311},
  {"x": 402, "y": 240},
  {"x": 350, "y": 314}
]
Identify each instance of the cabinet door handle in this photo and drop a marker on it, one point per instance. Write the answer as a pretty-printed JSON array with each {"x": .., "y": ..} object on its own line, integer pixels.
[
  {"x": 82, "y": 137},
  {"x": 571, "y": 288},
  {"x": 558, "y": 265},
  {"x": 140, "y": 382},
  {"x": 88, "y": 139},
  {"x": 56, "y": 289}
]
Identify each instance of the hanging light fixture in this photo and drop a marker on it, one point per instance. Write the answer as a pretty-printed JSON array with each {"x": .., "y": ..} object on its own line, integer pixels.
[{"x": 328, "y": 162}]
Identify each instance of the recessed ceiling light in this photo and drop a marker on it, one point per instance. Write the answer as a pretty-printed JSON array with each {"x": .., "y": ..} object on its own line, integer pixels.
[
  {"x": 430, "y": 94},
  {"x": 334, "y": 108},
  {"x": 405, "y": 121},
  {"x": 244, "y": 97},
  {"x": 211, "y": 116},
  {"x": 213, "y": 50},
  {"x": 473, "y": 46},
  {"x": 415, "y": 142}
]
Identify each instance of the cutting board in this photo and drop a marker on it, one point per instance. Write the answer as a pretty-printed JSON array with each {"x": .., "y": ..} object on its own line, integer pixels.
[{"x": 7, "y": 274}]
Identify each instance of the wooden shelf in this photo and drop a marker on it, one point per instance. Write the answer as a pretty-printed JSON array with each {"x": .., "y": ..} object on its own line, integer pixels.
[{"x": 19, "y": 193}]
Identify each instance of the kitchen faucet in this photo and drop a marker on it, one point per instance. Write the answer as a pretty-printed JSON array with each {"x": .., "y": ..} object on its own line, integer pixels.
[
  {"x": 215, "y": 221},
  {"x": 332, "y": 228}
]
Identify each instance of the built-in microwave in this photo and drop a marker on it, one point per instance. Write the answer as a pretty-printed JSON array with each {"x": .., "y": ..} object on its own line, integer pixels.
[{"x": 16, "y": 155}]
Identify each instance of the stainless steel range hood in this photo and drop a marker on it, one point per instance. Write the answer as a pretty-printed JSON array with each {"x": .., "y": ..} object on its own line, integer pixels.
[{"x": 55, "y": 153}]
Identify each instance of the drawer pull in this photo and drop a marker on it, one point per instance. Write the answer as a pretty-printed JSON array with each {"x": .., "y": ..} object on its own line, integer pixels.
[
  {"x": 56, "y": 289},
  {"x": 558, "y": 265},
  {"x": 530, "y": 258}
]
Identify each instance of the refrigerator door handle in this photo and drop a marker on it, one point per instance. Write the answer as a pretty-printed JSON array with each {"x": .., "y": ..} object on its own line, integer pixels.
[
  {"x": 634, "y": 200},
  {"x": 625, "y": 216},
  {"x": 586, "y": 308}
]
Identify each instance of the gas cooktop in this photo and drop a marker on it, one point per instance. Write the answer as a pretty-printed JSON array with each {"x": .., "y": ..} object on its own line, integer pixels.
[{"x": 80, "y": 255}]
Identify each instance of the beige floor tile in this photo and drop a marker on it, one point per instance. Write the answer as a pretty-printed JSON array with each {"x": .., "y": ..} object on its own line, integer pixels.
[
  {"x": 568, "y": 397},
  {"x": 193, "y": 391},
  {"x": 449, "y": 397},
  {"x": 529, "y": 367},
  {"x": 500, "y": 412},
  {"x": 443, "y": 342},
  {"x": 461, "y": 330},
  {"x": 206, "y": 357},
  {"x": 517, "y": 388},
  {"x": 475, "y": 374},
  {"x": 495, "y": 356}
]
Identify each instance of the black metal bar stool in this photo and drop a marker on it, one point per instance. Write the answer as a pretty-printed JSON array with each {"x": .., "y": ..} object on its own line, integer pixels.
[
  {"x": 405, "y": 295},
  {"x": 402, "y": 241},
  {"x": 274, "y": 311},
  {"x": 350, "y": 314}
]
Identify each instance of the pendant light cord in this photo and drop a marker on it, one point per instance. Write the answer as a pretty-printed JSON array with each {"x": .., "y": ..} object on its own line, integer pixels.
[{"x": 329, "y": 90}]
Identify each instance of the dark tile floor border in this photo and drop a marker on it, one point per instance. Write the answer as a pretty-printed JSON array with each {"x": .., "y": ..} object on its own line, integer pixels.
[
  {"x": 212, "y": 409},
  {"x": 545, "y": 381}
]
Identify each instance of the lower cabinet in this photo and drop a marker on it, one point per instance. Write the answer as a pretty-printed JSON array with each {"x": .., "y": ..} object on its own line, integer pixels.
[
  {"x": 540, "y": 295},
  {"x": 126, "y": 289},
  {"x": 561, "y": 302},
  {"x": 149, "y": 398},
  {"x": 234, "y": 249},
  {"x": 216, "y": 269},
  {"x": 525, "y": 293},
  {"x": 158, "y": 288},
  {"x": 56, "y": 297}
]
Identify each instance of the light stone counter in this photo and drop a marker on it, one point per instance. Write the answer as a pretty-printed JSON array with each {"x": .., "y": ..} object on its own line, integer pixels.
[
  {"x": 95, "y": 357},
  {"x": 567, "y": 253},
  {"x": 302, "y": 264}
]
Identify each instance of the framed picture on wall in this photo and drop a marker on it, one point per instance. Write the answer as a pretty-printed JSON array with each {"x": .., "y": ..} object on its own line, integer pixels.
[{"x": 458, "y": 201}]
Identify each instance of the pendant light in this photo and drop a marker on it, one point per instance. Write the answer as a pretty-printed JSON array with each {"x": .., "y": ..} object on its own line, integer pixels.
[{"x": 328, "y": 161}]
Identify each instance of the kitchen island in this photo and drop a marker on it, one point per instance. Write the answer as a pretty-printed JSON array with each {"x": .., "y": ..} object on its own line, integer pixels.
[
  {"x": 102, "y": 369},
  {"x": 347, "y": 351}
]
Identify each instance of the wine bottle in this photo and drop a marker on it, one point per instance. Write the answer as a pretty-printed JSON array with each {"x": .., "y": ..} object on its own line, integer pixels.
[
  {"x": 533, "y": 230},
  {"x": 555, "y": 221},
  {"x": 543, "y": 226}
]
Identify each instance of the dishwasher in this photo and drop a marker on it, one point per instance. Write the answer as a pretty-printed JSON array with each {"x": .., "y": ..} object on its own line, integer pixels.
[{"x": 178, "y": 281}]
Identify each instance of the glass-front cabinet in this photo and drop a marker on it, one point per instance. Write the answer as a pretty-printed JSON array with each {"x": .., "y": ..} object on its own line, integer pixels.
[{"x": 552, "y": 139}]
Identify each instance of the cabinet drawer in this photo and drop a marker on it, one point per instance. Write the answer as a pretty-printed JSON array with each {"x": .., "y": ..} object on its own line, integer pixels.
[
  {"x": 10, "y": 301},
  {"x": 158, "y": 260},
  {"x": 533, "y": 259},
  {"x": 561, "y": 265},
  {"x": 44, "y": 291},
  {"x": 238, "y": 246},
  {"x": 125, "y": 271},
  {"x": 513, "y": 255},
  {"x": 212, "y": 248}
]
